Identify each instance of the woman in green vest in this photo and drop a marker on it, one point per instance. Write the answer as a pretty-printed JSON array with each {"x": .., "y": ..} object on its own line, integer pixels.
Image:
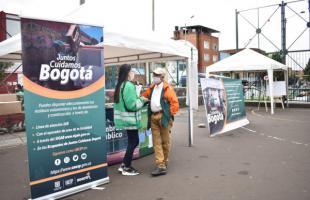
[{"x": 127, "y": 114}]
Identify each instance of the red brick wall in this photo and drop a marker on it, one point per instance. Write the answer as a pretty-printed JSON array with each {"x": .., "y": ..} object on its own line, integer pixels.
[
  {"x": 2, "y": 26},
  {"x": 10, "y": 84},
  {"x": 211, "y": 51},
  {"x": 191, "y": 37},
  {"x": 197, "y": 39}
]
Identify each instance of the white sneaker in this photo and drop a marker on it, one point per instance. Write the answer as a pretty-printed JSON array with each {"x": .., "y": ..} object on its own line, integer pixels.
[
  {"x": 130, "y": 171},
  {"x": 121, "y": 168}
]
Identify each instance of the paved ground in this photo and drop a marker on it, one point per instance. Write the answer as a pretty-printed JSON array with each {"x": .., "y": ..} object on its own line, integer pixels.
[{"x": 268, "y": 159}]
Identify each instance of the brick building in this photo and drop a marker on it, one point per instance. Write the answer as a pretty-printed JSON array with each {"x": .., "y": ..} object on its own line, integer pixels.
[
  {"x": 201, "y": 37},
  {"x": 9, "y": 25}
]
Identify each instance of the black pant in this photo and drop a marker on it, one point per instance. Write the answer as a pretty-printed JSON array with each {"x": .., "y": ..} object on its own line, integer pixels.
[{"x": 133, "y": 141}]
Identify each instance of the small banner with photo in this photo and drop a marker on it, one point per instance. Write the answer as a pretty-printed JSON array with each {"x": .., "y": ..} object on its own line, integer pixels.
[{"x": 224, "y": 104}]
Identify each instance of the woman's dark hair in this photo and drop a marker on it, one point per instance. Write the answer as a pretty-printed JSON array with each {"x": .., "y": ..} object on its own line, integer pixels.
[{"x": 122, "y": 77}]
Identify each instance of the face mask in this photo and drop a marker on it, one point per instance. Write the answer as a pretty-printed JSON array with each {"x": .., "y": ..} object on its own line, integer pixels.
[
  {"x": 131, "y": 76},
  {"x": 156, "y": 80}
]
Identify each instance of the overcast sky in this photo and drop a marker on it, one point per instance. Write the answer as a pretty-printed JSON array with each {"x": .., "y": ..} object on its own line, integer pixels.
[{"x": 136, "y": 15}]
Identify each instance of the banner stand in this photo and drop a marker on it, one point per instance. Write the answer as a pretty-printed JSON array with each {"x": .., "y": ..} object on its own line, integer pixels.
[
  {"x": 74, "y": 190},
  {"x": 224, "y": 104},
  {"x": 64, "y": 90}
]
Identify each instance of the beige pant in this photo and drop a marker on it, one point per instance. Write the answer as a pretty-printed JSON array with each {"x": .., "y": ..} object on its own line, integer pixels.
[{"x": 161, "y": 140}]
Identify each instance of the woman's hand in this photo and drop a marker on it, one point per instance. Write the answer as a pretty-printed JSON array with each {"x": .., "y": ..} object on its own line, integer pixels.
[{"x": 145, "y": 99}]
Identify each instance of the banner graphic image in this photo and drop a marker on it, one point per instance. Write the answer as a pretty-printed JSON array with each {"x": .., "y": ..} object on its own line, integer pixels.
[
  {"x": 64, "y": 82},
  {"x": 224, "y": 104}
]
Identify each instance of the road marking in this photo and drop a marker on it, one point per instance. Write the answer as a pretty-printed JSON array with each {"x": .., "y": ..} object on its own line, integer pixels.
[
  {"x": 280, "y": 139},
  {"x": 276, "y": 118},
  {"x": 283, "y": 140},
  {"x": 294, "y": 142},
  {"x": 276, "y": 138},
  {"x": 289, "y": 120},
  {"x": 249, "y": 129}
]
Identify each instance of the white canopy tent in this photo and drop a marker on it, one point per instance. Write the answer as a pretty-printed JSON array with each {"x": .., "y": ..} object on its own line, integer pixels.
[
  {"x": 122, "y": 48},
  {"x": 119, "y": 48},
  {"x": 249, "y": 60},
  {"x": 10, "y": 49}
]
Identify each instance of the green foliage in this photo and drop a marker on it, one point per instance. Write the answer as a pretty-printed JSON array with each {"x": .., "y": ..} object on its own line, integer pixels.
[
  {"x": 3, "y": 67},
  {"x": 277, "y": 56},
  {"x": 278, "y": 75},
  {"x": 307, "y": 71}
]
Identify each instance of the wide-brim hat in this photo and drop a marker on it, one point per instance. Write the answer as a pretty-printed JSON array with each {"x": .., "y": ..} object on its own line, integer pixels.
[{"x": 159, "y": 71}]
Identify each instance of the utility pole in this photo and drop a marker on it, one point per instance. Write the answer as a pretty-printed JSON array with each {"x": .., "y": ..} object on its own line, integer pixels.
[
  {"x": 153, "y": 15},
  {"x": 283, "y": 33},
  {"x": 258, "y": 30},
  {"x": 237, "y": 36},
  {"x": 308, "y": 24}
]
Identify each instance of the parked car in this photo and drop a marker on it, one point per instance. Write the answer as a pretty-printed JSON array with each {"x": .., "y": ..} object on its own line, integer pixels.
[{"x": 183, "y": 79}]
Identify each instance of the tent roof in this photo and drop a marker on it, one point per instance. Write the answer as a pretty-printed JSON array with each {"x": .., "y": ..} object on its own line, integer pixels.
[
  {"x": 10, "y": 49},
  {"x": 144, "y": 47},
  {"x": 118, "y": 48},
  {"x": 246, "y": 60}
]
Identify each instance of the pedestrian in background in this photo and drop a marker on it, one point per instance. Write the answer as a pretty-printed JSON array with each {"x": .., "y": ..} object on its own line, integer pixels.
[
  {"x": 164, "y": 105},
  {"x": 127, "y": 114}
]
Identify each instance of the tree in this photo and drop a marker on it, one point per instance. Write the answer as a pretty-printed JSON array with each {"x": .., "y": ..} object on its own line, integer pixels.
[
  {"x": 277, "y": 56},
  {"x": 3, "y": 67},
  {"x": 279, "y": 75},
  {"x": 307, "y": 71}
]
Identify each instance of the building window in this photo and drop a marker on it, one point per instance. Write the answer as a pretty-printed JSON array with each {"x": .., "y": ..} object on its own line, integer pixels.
[
  {"x": 12, "y": 25},
  {"x": 215, "y": 58},
  {"x": 206, "y": 57},
  {"x": 206, "y": 44},
  {"x": 215, "y": 47}
]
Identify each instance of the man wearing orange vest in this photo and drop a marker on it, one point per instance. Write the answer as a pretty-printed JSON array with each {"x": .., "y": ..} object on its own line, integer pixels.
[{"x": 164, "y": 105}]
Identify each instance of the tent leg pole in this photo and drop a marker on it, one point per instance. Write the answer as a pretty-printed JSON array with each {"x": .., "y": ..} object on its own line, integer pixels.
[
  {"x": 286, "y": 80},
  {"x": 190, "y": 113},
  {"x": 270, "y": 77},
  {"x": 189, "y": 127},
  {"x": 190, "y": 141}
]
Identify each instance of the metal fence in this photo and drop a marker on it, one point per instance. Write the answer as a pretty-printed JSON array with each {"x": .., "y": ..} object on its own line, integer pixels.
[
  {"x": 295, "y": 95},
  {"x": 299, "y": 94}
]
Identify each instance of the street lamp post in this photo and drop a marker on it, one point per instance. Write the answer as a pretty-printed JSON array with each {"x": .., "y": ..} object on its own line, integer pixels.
[
  {"x": 153, "y": 15},
  {"x": 185, "y": 27}
]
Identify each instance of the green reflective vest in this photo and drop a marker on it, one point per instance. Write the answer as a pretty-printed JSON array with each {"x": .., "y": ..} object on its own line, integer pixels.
[{"x": 127, "y": 112}]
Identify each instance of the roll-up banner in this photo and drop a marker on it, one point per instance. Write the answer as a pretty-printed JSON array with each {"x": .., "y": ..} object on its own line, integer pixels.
[
  {"x": 224, "y": 104},
  {"x": 63, "y": 71}
]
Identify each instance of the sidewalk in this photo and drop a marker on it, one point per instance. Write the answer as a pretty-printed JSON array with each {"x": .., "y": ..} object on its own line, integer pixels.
[
  {"x": 12, "y": 139},
  {"x": 268, "y": 159}
]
